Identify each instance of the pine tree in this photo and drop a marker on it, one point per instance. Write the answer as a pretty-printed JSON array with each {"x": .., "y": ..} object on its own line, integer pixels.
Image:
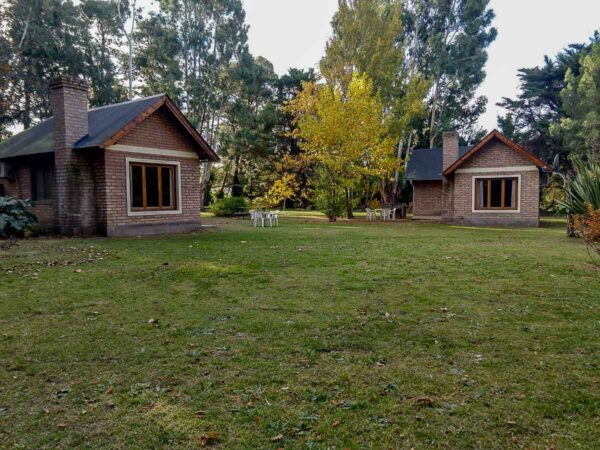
[
  {"x": 539, "y": 106},
  {"x": 581, "y": 102}
]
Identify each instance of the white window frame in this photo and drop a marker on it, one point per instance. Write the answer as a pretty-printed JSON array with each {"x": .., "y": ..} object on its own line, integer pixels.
[
  {"x": 496, "y": 211},
  {"x": 164, "y": 212}
]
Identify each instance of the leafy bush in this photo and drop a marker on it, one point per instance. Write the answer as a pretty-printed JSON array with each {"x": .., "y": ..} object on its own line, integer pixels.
[
  {"x": 375, "y": 204},
  {"x": 228, "y": 206},
  {"x": 553, "y": 196},
  {"x": 261, "y": 203},
  {"x": 15, "y": 220}
]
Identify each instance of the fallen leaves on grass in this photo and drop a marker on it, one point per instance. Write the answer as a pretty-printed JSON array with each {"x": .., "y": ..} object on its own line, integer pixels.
[
  {"x": 209, "y": 439},
  {"x": 73, "y": 257},
  {"x": 424, "y": 401},
  {"x": 277, "y": 438}
]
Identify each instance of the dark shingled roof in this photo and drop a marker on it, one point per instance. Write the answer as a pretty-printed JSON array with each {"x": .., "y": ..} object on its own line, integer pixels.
[
  {"x": 103, "y": 123},
  {"x": 425, "y": 164}
]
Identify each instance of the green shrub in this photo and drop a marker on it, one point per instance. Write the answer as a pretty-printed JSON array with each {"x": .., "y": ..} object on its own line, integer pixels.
[
  {"x": 15, "y": 220},
  {"x": 583, "y": 190},
  {"x": 228, "y": 206}
]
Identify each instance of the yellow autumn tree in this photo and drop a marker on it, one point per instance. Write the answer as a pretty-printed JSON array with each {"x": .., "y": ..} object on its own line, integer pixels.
[
  {"x": 283, "y": 189},
  {"x": 345, "y": 136}
]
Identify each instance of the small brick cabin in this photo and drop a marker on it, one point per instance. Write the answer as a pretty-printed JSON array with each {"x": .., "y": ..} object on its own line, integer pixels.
[
  {"x": 131, "y": 168},
  {"x": 496, "y": 182}
]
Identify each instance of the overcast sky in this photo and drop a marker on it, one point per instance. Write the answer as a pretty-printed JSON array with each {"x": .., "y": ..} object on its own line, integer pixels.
[{"x": 293, "y": 33}]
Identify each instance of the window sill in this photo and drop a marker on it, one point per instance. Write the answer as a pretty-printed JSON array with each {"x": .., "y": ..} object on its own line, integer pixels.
[
  {"x": 167, "y": 212},
  {"x": 42, "y": 202},
  {"x": 495, "y": 211}
]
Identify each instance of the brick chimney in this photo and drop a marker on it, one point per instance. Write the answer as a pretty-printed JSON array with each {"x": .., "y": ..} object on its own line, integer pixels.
[
  {"x": 75, "y": 200},
  {"x": 449, "y": 156},
  {"x": 69, "y": 99},
  {"x": 450, "y": 149}
]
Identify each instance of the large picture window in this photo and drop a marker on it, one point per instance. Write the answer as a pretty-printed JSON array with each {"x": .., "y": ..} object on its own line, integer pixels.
[
  {"x": 497, "y": 194},
  {"x": 152, "y": 187}
]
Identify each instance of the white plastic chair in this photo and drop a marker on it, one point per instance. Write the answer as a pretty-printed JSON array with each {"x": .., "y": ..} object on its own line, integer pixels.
[
  {"x": 393, "y": 213},
  {"x": 275, "y": 217},
  {"x": 370, "y": 214},
  {"x": 257, "y": 217}
]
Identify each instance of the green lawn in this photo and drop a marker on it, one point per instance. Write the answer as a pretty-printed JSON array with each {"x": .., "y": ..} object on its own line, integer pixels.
[{"x": 312, "y": 335}]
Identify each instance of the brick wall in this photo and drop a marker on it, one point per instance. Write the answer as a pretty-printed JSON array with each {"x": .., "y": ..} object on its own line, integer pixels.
[
  {"x": 427, "y": 198},
  {"x": 20, "y": 187},
  {"x": 157, "y": 132},
  {"x": 160, "y": 131},
  {"x": 10, "y": 187},
  {"x": 496, "y": 154},
  {"x": 76, "y": 190}
]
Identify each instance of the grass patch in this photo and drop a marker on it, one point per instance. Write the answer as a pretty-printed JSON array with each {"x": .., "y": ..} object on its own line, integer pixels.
[{"x": 311, "y": 335}]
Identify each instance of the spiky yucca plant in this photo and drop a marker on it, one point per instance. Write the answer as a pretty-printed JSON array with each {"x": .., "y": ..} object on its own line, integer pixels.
[
  {"x": 583, "y": 202},
  {"x": 583, "y": 190}
]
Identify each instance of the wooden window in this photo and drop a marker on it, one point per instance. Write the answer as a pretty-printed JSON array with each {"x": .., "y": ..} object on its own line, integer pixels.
[
  {"x": 497, "y": 193},
  {"x": 42, "y": 182},
  {"x": 152, "y": 187}
]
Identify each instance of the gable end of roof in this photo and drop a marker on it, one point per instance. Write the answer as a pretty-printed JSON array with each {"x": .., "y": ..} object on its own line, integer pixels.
[{"x": 495, "y": 134}]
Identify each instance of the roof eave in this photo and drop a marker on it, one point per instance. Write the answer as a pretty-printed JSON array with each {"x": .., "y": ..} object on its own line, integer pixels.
[
  {"x": 424, "y": 179},
  {"x": 210, "y": 153}
]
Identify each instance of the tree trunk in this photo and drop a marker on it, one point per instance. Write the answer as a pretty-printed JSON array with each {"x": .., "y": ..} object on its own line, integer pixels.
[
  {"x": 204, "y": 182},
  {"x": 349, "y": 212},
  {"x": 26, "y": 119},
  {"x": 432, "y": 123},
  {"x": 367, "y": 193},
  {"x": 384, "y": 193},
  {"x": 129, "y": 36},
  {"x": 26, "y": 27},
  {"x": 223, "y": 183},
  {"x": 236, "y": 188},
  {"x": 397, "y": 174},
  {"x": 130, "y": 62},
  {"x": 332, "y": 207}
]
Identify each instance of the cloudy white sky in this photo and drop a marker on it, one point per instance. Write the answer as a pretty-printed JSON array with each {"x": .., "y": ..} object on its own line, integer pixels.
[{"x": 293, "y": 33}]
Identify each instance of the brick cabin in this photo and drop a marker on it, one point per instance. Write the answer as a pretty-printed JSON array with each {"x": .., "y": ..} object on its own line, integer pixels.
[
  {"x": 496, "y": 182},
  {"x": 131, "y": 168}
]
